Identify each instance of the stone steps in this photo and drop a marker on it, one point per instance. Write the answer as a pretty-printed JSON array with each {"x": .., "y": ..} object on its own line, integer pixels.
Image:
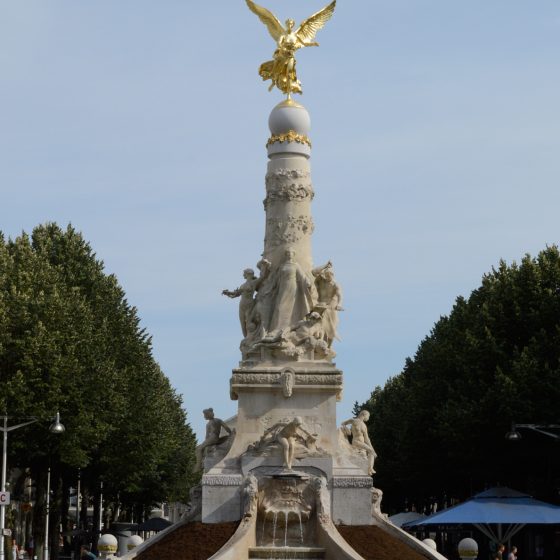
[{"x": 286, "y": 553}]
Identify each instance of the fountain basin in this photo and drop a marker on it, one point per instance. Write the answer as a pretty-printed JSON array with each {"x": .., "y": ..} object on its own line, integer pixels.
[{"x": 287, "y": 553}]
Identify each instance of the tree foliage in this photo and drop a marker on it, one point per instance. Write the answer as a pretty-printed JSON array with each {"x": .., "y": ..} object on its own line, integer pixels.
[
  {"x": 70, "y": 341},
  {"x": 439, "y": 425}
]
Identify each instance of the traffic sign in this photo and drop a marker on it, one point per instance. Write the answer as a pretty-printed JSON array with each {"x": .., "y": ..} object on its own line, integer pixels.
[{"x": 4, "y": 498}]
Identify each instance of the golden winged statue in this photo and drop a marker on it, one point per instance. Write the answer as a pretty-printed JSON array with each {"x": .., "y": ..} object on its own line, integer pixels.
[{"x": 281, "y": 70}]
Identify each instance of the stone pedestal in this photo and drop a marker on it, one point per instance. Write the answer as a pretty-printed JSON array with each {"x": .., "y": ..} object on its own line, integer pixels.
[
  {"x": 221, "y": 498},
  {"x": 352, "y": 500},
  {"x": 269, "y": 394}
]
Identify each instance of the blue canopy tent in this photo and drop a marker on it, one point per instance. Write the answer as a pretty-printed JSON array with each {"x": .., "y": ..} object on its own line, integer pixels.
[{"x": 503, "y": 507}]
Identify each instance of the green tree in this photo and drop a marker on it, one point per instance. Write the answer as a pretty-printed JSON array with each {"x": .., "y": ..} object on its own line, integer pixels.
[
  {"x": 69, "y": 341},
  {"x": 439, "y": 425}
]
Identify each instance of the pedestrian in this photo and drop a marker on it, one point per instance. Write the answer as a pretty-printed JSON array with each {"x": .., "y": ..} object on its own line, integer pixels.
[
  {"x": 499, "y": 554},
  {"x": 15, "y": 550},
  {"x": 30, "y": 547},
  {"x": 86, "y": 553},
  {"x": 539, "y": 551},
  {"x": 512, "y": 553}
]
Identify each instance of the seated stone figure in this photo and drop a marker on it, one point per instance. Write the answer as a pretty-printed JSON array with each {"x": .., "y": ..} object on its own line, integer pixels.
[
  {"x": 213, "y": 438},
  {"x": 360, "y": 439}
]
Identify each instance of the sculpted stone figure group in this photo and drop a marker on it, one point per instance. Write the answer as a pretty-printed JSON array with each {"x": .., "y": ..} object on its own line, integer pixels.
[{"x": 287, "y": 309}]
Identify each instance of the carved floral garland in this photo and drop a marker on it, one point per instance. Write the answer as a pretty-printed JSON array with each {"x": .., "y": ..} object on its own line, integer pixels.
[{"x": 352, "y": 482}]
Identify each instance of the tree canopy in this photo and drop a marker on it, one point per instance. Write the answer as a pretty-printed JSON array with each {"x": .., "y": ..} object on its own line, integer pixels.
[
  {"x": 438, "y": 426},
  {"x": 70, "y": 342}
]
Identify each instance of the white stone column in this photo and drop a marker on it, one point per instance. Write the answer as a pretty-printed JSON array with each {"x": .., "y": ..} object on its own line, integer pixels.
[{"x": 289, "y": 191}]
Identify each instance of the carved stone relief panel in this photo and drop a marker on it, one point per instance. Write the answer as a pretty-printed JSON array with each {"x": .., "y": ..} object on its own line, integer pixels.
[
  {"x": 288, "y": 185},
  {"x": 289, "y": 230}
]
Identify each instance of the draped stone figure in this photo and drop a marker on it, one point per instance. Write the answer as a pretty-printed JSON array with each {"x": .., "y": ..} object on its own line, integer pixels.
[{"x": 294, "y": 294}]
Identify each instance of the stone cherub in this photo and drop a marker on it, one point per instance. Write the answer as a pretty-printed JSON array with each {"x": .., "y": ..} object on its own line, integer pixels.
[
  {"x": 281, "y": 70},
  {"x": 250, "y": 496},
  {"x": 329, "y": 301},
  {"x": 322, "y": 498},
  {"x": 360, "y": 438},
  {"x": 245, "y": 292},
  {"x": 376, "y": 497},
  {"x": 214, "y": 427},
  {"x": 194, "y": 505}
]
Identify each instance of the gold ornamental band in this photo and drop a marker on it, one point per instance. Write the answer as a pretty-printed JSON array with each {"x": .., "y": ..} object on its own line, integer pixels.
[{"x": 290, "y": 136}]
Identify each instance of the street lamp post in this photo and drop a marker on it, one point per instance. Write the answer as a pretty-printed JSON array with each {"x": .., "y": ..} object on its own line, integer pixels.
[
  {"x": 56, "y": 428},
  {"x": 47, "y": 512},
  {"x": 78, "y": 501},
  {"x": 550, "y": 431},
  {"x": 5, "y": 429}
]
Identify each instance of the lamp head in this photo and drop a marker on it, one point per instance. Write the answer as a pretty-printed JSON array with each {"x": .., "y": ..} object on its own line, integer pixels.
[
  {"x": 513, "y": 435},
  {"x": 57, "y": 427}
]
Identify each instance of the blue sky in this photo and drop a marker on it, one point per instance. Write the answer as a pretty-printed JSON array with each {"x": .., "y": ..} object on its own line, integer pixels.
[{"x": 436, "y": 152}]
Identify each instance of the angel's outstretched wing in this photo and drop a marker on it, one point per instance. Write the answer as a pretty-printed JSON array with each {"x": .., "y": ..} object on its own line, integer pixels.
[
  {"x": 307, "y": 30},
  {"x": 274, "y": 27}
]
